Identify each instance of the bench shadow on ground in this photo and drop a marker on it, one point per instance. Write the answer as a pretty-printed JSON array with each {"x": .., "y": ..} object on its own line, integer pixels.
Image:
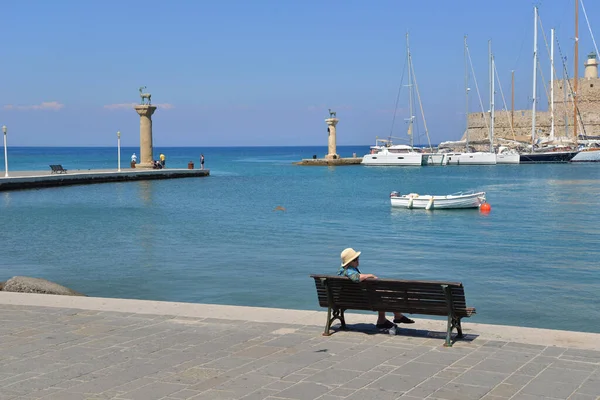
[{"x": 371, "y": 329}]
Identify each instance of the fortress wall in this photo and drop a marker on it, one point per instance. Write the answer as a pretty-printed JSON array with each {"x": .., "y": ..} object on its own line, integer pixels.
[{"x": 589, "y": 108}]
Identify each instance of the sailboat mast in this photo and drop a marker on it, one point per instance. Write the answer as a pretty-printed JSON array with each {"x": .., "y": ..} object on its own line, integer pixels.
[
  {"x": 410, "y": 93},
  {"x": 552, "y": 84},
  {"x": 512, "y": 100},
  {"x": 466, "y": 94},
  {"x": 491, "y": 97},
  {"x": 575, "y": 72},
  {"x": 565, "y": 83},
  {"x": 535, "y": 60}
]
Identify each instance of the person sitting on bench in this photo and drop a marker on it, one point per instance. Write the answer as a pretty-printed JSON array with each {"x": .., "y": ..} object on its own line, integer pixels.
[{"x": 350, "y": 269}]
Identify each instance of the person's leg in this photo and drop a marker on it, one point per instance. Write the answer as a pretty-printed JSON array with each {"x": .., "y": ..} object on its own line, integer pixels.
[{"x": 382, "y": 322}]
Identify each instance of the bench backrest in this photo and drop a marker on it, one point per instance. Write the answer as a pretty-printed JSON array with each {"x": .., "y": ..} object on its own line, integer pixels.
[{"x": 413, "y": 297}]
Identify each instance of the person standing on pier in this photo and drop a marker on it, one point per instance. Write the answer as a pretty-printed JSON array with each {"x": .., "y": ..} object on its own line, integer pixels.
[
  {"x": 201, "y": 161},
  {"x": 350, "y": 269},
  {"x": 162, "y": 159},
  {"x": 133, "y": 158}
]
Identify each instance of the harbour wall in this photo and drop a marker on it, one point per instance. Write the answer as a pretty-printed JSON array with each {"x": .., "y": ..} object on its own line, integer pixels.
[
  {"x": 588, "y": 102},
  {"x": 36, "y": 180}
]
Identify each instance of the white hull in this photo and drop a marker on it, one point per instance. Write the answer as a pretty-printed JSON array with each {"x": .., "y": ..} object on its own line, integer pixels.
[
  {"x": 440, "y": 158},
  {"x": 587, "y": 156},
  {"x": 402, "y": 159},
  {"x": 478, "y": 158},
  {"x": 459, "y": 200},
  {"x": 508, "y": 158},
  {"x": 452, "y": 158}
]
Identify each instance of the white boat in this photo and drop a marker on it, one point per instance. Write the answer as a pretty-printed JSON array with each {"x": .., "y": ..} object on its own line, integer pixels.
[
  {"x": 457, "y": 200},
  {"x": 451, "y": 158},
  {"x": 477, "y": 158},
  {"x": 506, "y": 155},
  {"x": 434, "y": 158},
  {"x": 387, "y": 153},
  {"x": 440, "y": 158},
  {"x": 589, "y": 153}
]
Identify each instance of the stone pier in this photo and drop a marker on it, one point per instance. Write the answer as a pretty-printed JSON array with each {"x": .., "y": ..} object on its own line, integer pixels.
[{"x": 145, "y": 111}]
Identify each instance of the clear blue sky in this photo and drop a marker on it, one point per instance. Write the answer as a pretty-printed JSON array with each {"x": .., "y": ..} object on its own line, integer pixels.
[{"x": 260, "y": 72}]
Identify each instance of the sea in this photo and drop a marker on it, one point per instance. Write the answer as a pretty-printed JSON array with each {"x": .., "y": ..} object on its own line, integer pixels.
[{"x": 252, "y": 232}]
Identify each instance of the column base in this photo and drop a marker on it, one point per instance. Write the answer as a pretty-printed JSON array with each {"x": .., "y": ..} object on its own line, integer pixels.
[
  {"x": 144, "y": 166},
  {"x": 332, "y": 156}
]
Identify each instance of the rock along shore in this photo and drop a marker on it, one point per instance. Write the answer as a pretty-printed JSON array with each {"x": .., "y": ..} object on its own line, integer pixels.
[{"x": 25, "y": 284}]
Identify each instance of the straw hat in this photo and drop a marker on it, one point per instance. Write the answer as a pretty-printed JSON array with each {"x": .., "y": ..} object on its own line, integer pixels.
[{"x": 349, "y": 255}]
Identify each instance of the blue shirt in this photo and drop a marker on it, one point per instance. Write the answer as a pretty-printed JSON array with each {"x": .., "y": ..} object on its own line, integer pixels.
[{"x": 351, "y": 272}]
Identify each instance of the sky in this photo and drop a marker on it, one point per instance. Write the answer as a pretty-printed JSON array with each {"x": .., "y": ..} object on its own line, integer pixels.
[{"x": 265, "y": 72}]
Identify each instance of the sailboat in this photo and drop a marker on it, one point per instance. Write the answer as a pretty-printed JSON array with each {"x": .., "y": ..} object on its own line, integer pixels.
[
  {"x": 504, "y": 155},
  {"x": 589, "y": 148},
  {"x": 479, "y": 157},
  {"x": 548, "y": 153},
  {"x": 385, "y": 153}
]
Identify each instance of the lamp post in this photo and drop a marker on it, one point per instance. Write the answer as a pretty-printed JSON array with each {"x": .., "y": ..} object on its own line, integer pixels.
[
  {"x": 5, "y": 153},
  {"x": 119, "y": 148}
]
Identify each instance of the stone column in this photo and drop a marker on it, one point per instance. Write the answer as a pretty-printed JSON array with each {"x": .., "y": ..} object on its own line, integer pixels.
[
  {"x": 331, "y": 123},
  {"x": 145, "y": 111}
]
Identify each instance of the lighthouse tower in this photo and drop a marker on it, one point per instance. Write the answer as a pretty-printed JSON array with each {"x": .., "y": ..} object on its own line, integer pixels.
[{"x": 591, "y": 66}]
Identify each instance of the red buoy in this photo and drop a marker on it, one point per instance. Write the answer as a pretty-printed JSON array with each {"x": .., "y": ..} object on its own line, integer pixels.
[{"x": 485, "y": 207}]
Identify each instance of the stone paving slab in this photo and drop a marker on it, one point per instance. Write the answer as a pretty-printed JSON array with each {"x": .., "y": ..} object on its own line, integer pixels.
[{"x": 70, "y": 353}]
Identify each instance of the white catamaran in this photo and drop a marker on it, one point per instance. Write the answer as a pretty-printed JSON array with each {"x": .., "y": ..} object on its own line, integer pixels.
[{"x": 386, "y": 153}]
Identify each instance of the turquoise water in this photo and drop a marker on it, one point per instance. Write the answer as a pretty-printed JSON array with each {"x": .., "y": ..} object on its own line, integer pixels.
[{"x": 533, "y": 261}]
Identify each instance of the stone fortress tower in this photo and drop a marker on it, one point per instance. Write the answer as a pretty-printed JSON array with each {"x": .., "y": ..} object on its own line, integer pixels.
[{"x": 588, "y": 102}]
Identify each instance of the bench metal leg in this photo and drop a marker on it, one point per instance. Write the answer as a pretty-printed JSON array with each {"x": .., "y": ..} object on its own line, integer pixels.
[
  {"x": 328, "y": 323},
  {"x": 453, "y": 320},
  {"x": 337, "y": 314},
  {"x": 458, "y": 329},
  {"x": 448, "y": 342}
]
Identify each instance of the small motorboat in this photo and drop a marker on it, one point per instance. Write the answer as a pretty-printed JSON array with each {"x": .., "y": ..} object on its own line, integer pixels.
[{"x": 469, "y": 199}]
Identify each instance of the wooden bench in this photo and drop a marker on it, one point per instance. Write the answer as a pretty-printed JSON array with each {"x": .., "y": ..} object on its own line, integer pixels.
[
  {"x": 340, "y": 293},
  {"x": 57, "y": 169}
]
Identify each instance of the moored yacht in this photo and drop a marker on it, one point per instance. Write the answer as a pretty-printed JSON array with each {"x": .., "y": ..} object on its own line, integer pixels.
[
  {"x": 506, "y": 155},
  {"x": 589, "y": 153},
  {"x": 548, "y": 156},
  {"x": 393, "y": 154},
  {"x": 385, "y": 152},
  {"x": 548, "y": 152},
  {"x": 477, "y": 158}
]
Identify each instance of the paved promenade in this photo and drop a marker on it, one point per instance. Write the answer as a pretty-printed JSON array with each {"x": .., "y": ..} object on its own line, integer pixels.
[{"x": 70, "y": 348}]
